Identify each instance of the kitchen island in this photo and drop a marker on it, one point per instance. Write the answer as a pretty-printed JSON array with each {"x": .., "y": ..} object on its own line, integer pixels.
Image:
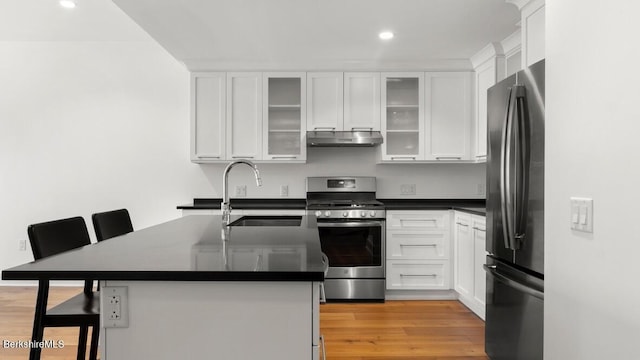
[{"x": 192, "y": 288}]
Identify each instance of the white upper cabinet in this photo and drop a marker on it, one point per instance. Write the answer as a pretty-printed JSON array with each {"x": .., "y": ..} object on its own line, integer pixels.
[
  {"x": 423, "y": 117},
  {"x": 447, "y": 115},
  {"x": 325, "y": 99},
  {"x": 361, "y": 101},
  {"x": 208, "y": 110},
  {"x": 402, "y": 116},
  {"x": 244, "y": 116},
  {"x": 426, "y": 116},
  {"x": 489, "y": 66},
  {"x": 533, "y": 32},
  {"x": 284, "y": 116},
  {"x": 485, "y": 78}
]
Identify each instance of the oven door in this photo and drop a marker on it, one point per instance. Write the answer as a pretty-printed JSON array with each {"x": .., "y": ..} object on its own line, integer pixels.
[{"x": 355, "y": 248}]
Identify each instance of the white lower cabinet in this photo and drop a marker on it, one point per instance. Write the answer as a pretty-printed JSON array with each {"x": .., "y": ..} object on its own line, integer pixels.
[
  {"x": 418, "y": 275},
  {"x": 418, "y": 250},
  {"x": 469, "y": 258},
  {"x": 480, "y": 258}
]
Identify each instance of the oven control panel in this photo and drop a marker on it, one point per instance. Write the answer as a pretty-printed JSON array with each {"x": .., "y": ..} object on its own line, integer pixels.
[{"x": 348, "y": 214}]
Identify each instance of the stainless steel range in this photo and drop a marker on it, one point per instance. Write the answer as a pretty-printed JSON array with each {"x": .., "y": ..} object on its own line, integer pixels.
[{"x": 351, "y": 223}]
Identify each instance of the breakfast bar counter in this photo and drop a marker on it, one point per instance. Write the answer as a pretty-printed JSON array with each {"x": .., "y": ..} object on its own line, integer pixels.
[{"x": 193, "y": 288}]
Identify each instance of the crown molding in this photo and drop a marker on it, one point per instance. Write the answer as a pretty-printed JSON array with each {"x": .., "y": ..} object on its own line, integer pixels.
[
  {"x": 520, "y": 4},
  {"x": 512, "y": 43},
  {"x": 336, "y": 65},
  {"x": 488, "y": 52}
]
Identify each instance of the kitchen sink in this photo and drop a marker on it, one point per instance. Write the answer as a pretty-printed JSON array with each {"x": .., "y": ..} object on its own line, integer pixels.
[{"x": 268, "y": 221}]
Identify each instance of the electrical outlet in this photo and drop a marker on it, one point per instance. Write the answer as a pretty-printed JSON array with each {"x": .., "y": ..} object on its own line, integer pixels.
[
  {"x": 481, "y": 189},
  {"x": 113, "y": 307},
  {"x": 241, "y": 190},
  {"x": 408, "y": 189},
  {"x": 22, "y": 245},
  {"x": 284, "y": 190}
]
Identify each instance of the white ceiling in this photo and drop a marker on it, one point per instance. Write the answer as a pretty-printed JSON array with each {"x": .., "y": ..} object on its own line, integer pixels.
[
  {"x": 277, "y": 34},
  {"x": 323, "y": 34},
  {"x": 46, "y": 20}
]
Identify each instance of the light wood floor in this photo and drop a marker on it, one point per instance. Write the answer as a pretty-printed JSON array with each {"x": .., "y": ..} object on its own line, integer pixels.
[{"x": 395, "y": 330}]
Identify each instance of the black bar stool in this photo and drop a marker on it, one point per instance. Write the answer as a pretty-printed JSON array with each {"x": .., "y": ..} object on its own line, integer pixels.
[
  {"x": 111, "y": 224},
  {"x": 83, "y": 310}
]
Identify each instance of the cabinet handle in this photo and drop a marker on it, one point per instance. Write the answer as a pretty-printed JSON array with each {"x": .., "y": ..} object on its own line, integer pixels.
[
  {"x": 324, "y": 353},
  {"x": 403, "y": 158},
  {"x": 465, "y": 225},
  {"x": 329, "y": 128},
  {"x": 284, "y": 157},
  {"x": 419, "y": 245},
  {"x": 258, "y": 263},
  {"x": 208, "y": 157},
  {"x": 448, "y": 158},
  {"x": 361, "y": 129},
  {"x": 242, "y": 157},
  {"x": 418, "y": 275},
  {"x": 479, "y": 229},
  {"x": 323, "y": 295}
]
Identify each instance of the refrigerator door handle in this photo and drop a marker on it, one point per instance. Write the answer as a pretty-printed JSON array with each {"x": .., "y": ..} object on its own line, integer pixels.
[
  {"x": 506, "y": 199},
  {"x": 491, "y": 271},
  {"x": 523, "y": 149}
]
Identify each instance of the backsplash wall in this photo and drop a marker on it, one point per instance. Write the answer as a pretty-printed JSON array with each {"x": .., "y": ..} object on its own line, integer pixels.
[{"x": 431, "y": 180}]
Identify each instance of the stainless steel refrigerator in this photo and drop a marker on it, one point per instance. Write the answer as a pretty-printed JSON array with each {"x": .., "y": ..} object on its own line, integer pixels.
[{"x": 515, "y": 216}]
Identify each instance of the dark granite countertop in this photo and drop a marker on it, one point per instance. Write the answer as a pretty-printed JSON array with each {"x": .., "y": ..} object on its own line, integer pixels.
[
  {"x": 267, "y": 204},
  {"x": 190, "y": 249},
  {"x": 474, "y": 206}
]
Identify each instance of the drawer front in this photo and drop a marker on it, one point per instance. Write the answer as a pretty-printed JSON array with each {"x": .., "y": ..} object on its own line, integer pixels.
[
  {"x": 425, "y": 220},
  {"x": 418, "y": 275},
  {"x": 478, "y": 222},
  {"x": 421, "y": 245}
]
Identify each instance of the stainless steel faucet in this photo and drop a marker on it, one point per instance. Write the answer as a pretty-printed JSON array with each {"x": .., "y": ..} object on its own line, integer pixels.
[{"x": 226, "y": 206}]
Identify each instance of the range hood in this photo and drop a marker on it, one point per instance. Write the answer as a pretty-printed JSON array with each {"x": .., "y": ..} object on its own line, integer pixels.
[{"x": 343, "y": 138}]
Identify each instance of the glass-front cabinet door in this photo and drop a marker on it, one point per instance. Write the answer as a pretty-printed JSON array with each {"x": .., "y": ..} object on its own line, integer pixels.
[
  {"x": 403, "y": 116},
  {"x": 284, "y": 116}
]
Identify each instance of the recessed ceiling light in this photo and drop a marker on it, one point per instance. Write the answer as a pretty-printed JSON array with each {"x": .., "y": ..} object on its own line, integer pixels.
[
  {"x": 69, "y": 4},
  {"x": 386, "y": 35}
]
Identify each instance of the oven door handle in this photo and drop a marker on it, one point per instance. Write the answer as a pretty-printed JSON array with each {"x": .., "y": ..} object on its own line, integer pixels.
[{"x": 350, "y": 224}]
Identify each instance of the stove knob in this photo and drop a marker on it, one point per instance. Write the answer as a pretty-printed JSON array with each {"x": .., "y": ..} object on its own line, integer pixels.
[
  {"x": 327, "y": 213},
  {"x": 363, "y": 213},
  {"x": 345, "y": 214},
  {"x": 318, "y": 213},
  {"x": 372, "y": 213}
]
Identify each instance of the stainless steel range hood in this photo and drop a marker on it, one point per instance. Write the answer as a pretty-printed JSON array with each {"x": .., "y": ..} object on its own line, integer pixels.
[{"x": 343, "y": 138}]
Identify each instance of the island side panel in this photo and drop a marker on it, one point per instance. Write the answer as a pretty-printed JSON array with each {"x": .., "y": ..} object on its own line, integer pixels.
[{"x": 214, "y": 320}]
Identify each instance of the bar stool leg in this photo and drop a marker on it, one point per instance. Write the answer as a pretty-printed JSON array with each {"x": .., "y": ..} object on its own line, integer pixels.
[{"x": 38, "y": 328}]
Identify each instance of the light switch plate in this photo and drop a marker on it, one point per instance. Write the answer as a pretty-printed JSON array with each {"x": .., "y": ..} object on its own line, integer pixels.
[
  {"x": 581, "y": 214},
  {"x": 284, "y": 190}
]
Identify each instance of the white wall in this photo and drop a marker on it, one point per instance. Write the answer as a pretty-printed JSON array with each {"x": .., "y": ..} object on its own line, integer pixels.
[
  {"x": 94, "y": 116},
  {"x": 592, "y": 291},
  {"x": 88, "y": 125},
  {"x": 431, "y": 180}
]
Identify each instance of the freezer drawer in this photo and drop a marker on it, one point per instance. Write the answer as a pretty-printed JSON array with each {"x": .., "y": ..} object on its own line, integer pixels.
[{"x": 514, "y": 313}]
